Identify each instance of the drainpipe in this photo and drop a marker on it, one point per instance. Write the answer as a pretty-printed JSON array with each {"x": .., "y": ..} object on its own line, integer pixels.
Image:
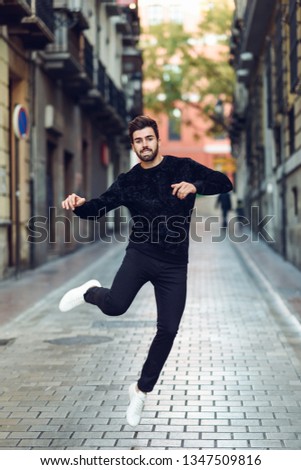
[
  {"x": 32, "y": 154},
  {"x": 283, "y": 196}
]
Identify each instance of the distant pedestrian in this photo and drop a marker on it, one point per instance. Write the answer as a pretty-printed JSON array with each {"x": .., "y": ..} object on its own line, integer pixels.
[
  {"x": 159, "y": 192},
  {"x": 224, "y": 201},
  {"x": 240, "y": 210}
]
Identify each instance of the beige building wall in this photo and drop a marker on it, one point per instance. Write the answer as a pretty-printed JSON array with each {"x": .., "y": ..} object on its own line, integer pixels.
[
  {"x": 68, "y": 75},
  {"x": 19, "y": 67},
  {"x": 15, "y": 89}
]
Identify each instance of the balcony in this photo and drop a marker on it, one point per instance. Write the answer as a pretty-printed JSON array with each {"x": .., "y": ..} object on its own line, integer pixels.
[
  {"x": 131, "y": 60},
  {"x": 105, "y": 102},
  {"x": 77, "y": 9},
  {"x": 63, "y": 59},
  {"x": 12, "y": 11},
  {"x": 257, "y": 16},
  {"x": 127, "y": 22},
  {"x": 31, "y": 20},
  {"x": 79, "y": 83},
  {"x": 116, "y": 106},
  {"x": 113, "y": 9},
  {"x": 70, "y": 59}
]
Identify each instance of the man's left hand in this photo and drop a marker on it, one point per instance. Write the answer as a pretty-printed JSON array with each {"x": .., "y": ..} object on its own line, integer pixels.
[{"x": 181, "y": 190}]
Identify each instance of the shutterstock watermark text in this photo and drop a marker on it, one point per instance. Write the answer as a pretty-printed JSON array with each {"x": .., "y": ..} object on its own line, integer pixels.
[{"x": 173, "y": 229}]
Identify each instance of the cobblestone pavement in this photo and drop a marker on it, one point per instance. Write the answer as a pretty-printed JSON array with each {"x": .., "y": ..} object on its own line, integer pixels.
[{"x": 231, "y": 381}]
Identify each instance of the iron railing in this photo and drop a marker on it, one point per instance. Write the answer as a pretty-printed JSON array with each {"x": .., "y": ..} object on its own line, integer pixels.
[
  {"x": 101, "y": 79},
  {"x": 87, "y": 61},
  {"x": 73, "y": 44},
  {"x": 111, "y": 94},
  {"x": 121, "y": 105}
]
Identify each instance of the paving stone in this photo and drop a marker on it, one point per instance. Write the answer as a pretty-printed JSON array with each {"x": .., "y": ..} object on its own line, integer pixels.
[
  {"x": 66, "y": 442},
  {"x": 24, "y": 435},
  {"x": 266, "y": 444},
  {"x": 216, "y": 435},
  {"x": 9, "y": 443},
  {"x": 232, "y": 444},
  {"x": 292, "y": 444},
  {"x": 168, "y": 443},
  {"x": 36, "y": 443},
  {"x": 202, "y": 444},
  {"x": 100, "y": 443}
]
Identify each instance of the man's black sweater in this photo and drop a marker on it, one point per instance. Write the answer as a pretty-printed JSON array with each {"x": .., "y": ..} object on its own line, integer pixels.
[{"x": 160, "y": 220}]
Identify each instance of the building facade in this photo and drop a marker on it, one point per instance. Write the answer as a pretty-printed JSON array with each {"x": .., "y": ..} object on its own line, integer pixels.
[
  {"x": 74, "y": 68},
  {"x": 265, "y": 128}
]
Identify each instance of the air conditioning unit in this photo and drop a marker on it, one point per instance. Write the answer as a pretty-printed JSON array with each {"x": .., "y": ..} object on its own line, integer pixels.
[{"x": 54, "y": 122}]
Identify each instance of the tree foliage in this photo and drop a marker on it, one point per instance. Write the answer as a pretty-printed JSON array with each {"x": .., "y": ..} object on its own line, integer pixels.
[{"x": 179, "y": 66}]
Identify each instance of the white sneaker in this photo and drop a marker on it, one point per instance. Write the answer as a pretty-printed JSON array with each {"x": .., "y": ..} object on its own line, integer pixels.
[
  {"x": 134, "y": 411},
  {"x": 75, "y": 297}
]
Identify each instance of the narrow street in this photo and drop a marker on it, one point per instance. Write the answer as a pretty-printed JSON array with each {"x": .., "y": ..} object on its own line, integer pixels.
[{"x": 233, "y": 379}]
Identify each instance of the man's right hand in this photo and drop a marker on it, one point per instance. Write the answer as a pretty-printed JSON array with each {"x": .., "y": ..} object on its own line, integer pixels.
[{"x": 73, "y": 201}]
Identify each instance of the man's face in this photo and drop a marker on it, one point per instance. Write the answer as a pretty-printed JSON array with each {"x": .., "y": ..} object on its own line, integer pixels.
[{"x": 145, "y": 144}]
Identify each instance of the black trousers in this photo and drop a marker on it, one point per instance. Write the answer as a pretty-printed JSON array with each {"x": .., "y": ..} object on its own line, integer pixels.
[{"x": 169, "y": 281}]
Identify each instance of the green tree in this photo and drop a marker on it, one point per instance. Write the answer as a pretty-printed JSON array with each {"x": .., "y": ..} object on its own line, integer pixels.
[{"x": 179, "y": 68}]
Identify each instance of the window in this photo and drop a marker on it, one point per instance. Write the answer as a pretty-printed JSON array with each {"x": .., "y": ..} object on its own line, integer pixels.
[
  {"x": 295, "y": 197},
  {"x": 293, "y": 44},
  {"x": 278, "y": 143},
  {"x": 279, "y": 63},
  {"x": 176, "y": 14},
  {"x": 269, "y": 75},
  {"x": 155, "y": 14},
  {"x": 174, "y": 124},
  {"x": 291, "y": 126},
  {"x": 258, "y": 103}
]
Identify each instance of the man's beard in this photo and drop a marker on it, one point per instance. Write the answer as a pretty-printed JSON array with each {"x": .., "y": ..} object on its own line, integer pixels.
[{"x": 149, "y": 155}]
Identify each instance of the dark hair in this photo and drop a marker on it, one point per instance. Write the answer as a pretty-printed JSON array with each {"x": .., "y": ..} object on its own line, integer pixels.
[{"x": 140, "y": 122}]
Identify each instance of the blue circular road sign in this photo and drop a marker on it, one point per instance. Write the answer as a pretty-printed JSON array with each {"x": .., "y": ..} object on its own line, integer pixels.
[{"x": 20, "y": 122}]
